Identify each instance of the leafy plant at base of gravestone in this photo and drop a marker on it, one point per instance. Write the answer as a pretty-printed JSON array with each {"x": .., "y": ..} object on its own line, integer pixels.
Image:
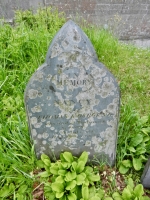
[
  {"x": 137, "y": 146},
  {"x": 69, "y": 178},
  {"x": 131, "y": 193}
]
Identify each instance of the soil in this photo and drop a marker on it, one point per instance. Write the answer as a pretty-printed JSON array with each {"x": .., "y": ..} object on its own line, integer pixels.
[{"x": 38, "y": 191}]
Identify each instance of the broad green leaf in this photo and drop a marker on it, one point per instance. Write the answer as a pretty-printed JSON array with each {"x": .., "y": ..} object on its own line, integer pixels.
[
  {"x": 4, "y": 191},
  {"x": 93, "y": 178},
  {"x": 40, "y": 164},
  {"x": 144, "y": 119},
  {"x": 100, "y": 192},
  {"x": 131, "y": 183},
  {"x": 58, "y": 164},
  {"x": 22, "y": 189},
  {"x": 92, "y": 191},
  {"x": 137, "y": 139},
  {"x": 62, "y": 172},
  {"x": 59, "y": 194},
  {"x": 47, "y": 188},
  {"x": 12, "y": 187},
  {"x": 116, "y": 196},
  {"x": 80, "y": 166},
  {"x": 72, "y": 196},
  {"x": 71, "y": 185},
  {"x": 54, "y": 169},
  {"x": 21, "y": 196},
  {"x": 95, "y": 198},
  {"x": 146, "y": 130},
  {"x": 47, "y": 168},
  {"x": 86, "y": 181},
  {"x": 46, "y": 160},
  {"x": 45, "y": 174},
  {"x": 70, "y": 176},
  {"x": 48, "y": 184},
  {"x": 142, "y": 144},
  {"x": 126, "y": 163},
  {"x": 85, "y": 192},
  {"x": 60, "y": 179},
  {"x": 129, "y": 188},
  {"x": 68, "y": 157},
  {"x": 50, "y": 195},
  {"x": 108, "y": 198},
  {"x": 126, "y": 194},
  {"x": 146, "y": 138},
  {"x": 88, "y": 170},
  {"x": 80, "y": 178},
  {"x": 123, "y": 169},
  {"x": 138, "y": 190},
  {"x": 132, "y": 149},
  {"x": 83, "y": 157},
  {"x": 63, "y": 198},
  {"x": 137, "y": 164},
  {"x": 74, "y": 165},
  {"x": 142, "y": 157},
  {"x": 140, "y": 150},
  {"x": 57, "y": 187},
  {"x": 65, "y": 165},
  {"x": 62, "y": 158},
  {"x": 74, "y": 190}
]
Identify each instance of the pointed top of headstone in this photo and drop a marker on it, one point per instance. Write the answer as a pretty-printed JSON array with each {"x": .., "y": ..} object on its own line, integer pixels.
[
  {"x": 72, "y": 100},
  {"x": 71, "y": 38}
]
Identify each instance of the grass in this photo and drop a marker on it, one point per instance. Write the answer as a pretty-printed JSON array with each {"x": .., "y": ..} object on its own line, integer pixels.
[{"x": 23, "y": 48}]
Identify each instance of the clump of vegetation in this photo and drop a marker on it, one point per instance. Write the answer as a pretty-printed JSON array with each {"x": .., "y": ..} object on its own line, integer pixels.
[
  {"x": 69, "y": 178},
  {"x": 130, "y": 192},
  {"x": 23, "y": 49},
  {"x": 133, "y": 149}
]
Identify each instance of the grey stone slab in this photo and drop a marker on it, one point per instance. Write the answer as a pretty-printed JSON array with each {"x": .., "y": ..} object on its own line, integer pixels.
[
  {"x": 145, "y": 179},
  {"x": 8, "y": 7},
  {"x": 72, "y": 100},
  {"x": 35, "y": 4}
]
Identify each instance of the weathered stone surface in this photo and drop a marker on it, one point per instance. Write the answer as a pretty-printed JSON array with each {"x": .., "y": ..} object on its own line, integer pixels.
[
  {"x": 72, "y": 100},
  {"x": 145, "y": 179}
]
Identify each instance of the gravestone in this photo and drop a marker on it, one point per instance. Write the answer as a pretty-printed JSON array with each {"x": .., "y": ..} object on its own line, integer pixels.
[
  {"x": 145, "y": 179},
  {"x": 72, "y": 100}
]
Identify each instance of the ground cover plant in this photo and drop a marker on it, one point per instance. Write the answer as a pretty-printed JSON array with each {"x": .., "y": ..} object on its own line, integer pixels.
[{"x": 23, "y": 48}]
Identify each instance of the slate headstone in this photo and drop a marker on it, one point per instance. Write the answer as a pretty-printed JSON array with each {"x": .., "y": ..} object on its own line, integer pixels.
[
  {"x": 145, "y": 179},
  {"x": 72, "y": 100}
]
